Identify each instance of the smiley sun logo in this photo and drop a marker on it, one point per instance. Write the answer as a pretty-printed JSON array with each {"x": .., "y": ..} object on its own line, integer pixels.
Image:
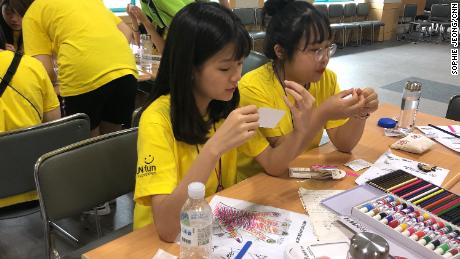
[
  {"x": 148, "y": 160},
  {"x": 147, "y": 168}
]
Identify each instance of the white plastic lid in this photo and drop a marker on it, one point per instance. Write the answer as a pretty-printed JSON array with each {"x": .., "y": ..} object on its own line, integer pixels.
[{"x": 196, "y": 190}]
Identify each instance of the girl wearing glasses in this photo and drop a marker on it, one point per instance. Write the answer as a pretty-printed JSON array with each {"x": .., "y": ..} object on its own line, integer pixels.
[
  {"x": 192, "y": 129},
  {"x": 298, "y": 41}
]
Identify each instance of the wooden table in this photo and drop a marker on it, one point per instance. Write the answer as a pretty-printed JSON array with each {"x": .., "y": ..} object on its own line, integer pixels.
[{"x": 282, "y": 192}]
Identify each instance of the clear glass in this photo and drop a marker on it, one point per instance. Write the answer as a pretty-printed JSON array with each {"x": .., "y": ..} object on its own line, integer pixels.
[
  {"x": 409, "y": 106},
  {"x": 196, "y": 229}
]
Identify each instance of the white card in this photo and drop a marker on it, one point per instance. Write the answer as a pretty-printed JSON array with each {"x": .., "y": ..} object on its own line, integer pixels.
[
  {"x": 359, "y": 164},
  {"x": 269, "y": 117}
]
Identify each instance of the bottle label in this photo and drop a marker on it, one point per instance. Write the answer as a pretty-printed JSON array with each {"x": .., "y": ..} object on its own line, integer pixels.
[{"x": 195, "y": 236}]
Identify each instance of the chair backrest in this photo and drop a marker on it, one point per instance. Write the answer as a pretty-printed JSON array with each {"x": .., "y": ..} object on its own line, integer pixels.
[
  {"x": 335, "y": 11},
  {"x": 410, "y": 11},
  {"x": 246, "y": 15},
  {"x": 429, "y": 3},
  {"x": 260, "y": 17},
  {"x": 362, "y": 9},
  {"x": 20, "y": 150},
  {"x": 322, "y": 8},
  {"x": 83, "y": 175},
  {"x": 453, "y": 109},
  {"x": 440, "y": 11},
  {"x": 136, "y": 117},
  {"x": 349, "y": 10},
  {"x": 253, "y": 61}
]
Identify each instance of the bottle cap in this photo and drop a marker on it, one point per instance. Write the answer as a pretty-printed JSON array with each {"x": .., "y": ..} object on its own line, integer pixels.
[
  {"x": 196, "y": 190},
  {"x": 386, "y": 123},
  {"x": 413, "y": 86},
  {"x": 368, "y": 245}
]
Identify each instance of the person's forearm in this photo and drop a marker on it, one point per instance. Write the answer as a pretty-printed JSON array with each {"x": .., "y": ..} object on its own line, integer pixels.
[
  {"x": 52, "y": 115},
  {"x": 348, "y": 135},
  {"x": 124, "y": 28},
  {"x": 47, "y": 62},
  {"x": 293, "y": 145},
  {"x": 157, "y": 40},
  {"x": 167, "y": 211}
]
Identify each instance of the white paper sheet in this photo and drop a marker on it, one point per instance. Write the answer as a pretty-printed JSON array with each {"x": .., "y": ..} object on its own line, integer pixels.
[
  {"x": 445, "y": 139},
  {"x": 269, "y": 117},
  {"x": 269, "y": 228},
  {"x": 324, "y": 222},
  {"x": 389, "y": 162},
  {"x": 162, "y": 254}
]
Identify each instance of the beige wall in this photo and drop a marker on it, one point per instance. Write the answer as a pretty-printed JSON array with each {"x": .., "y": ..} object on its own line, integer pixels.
[{"x": 246, "y": 3}]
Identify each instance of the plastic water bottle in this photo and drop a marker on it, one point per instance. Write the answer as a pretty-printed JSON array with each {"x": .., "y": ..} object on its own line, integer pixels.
[
  {"x": 196, "y": 224},
  {"x": 146, "y": 51},
  {"x": 409, "y": 106}
]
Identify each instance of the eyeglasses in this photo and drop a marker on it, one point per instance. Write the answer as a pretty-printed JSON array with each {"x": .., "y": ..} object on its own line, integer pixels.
[{"x": 320, "y": 53}]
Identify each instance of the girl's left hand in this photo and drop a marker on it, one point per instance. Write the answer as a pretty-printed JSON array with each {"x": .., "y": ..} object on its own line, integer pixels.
[
  {"x": 303, "y": 107},
  {"x": 371, "y": 97}
]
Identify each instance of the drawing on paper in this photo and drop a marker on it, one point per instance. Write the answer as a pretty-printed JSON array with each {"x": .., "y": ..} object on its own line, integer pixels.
[
  {"x": 269, "y": 227},
  {"x": 231, "y": 253}
]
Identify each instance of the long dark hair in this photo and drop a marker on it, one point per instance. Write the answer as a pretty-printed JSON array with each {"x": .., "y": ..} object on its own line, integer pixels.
[
  {"x": 291, "y": 22},
  {"x": 2, "y": 39},
  {"x": 9, "y": 34},
  {"x": 197, "y": 32}
]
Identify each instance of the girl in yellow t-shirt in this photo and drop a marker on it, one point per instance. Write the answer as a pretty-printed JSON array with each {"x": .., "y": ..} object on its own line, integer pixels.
[
  {"x": 192, "y": 129},
  {"x": 299, "y": 43}
]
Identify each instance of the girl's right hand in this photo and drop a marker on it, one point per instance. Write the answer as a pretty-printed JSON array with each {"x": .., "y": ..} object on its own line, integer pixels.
[
  {"x": 240, "y": 125},
  {"x": 340, "y": 106}
]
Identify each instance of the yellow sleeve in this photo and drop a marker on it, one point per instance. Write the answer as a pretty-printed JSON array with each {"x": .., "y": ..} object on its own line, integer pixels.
[
  {"x": 36, "y": 39},
  {"x": 156, "y": 162},
  {"x": 255, "y": 145},
  {"x": 334, "y": 86},
  {"x": 251, "y": 92}
]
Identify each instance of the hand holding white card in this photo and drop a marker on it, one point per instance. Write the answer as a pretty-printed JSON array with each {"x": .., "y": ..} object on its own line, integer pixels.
[{"x": 269, "y": 117}]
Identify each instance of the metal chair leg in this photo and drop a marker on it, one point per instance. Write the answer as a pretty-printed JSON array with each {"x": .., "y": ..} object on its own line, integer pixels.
[{"x": 66, "y": 234}]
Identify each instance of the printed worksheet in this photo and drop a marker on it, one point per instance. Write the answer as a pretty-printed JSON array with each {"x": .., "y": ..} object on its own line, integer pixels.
[{"x": 269, "y": 229}]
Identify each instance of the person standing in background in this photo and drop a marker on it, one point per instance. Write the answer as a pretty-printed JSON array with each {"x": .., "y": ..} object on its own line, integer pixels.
[
  {"x": 96, "y": 68},
  {"x": 156, "y": 17},
  {"x": 11, "y": 23}
]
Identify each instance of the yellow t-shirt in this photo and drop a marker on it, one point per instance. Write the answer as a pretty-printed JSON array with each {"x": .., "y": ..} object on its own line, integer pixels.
[
  {"x": 31, "y": 81},
  {"x": 163, "y": 161},
  {"x": 91, "y": 51},
  {"x": 262, "y": 88}
]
